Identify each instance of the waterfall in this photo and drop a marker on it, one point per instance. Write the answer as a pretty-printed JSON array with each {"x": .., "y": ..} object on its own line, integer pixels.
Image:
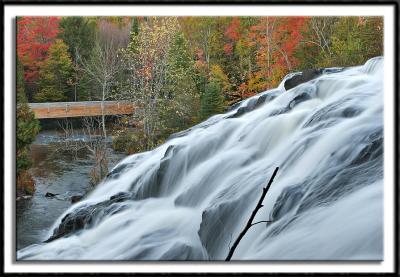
[{"x": 189, "y": 198}]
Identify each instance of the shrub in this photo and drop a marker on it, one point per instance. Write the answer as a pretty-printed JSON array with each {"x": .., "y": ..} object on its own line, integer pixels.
[{"x": 128, "y": 142}]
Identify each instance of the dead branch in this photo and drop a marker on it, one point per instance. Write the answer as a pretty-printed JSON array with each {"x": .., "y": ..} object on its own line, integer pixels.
[{"x": 253, "y": 214}]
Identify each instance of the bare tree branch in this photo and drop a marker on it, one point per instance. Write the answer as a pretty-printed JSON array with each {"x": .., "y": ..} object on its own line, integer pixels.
[{"x": 253, "y": 214}]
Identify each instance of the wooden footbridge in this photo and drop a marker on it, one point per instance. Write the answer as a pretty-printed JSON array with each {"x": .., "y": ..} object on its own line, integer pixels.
[{"x": 80, "y": 109}]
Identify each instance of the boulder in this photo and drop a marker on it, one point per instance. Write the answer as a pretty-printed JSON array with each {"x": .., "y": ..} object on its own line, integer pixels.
[
  {"x": 50, "y": 195},
  {"x": 76, "y": 198},
  {"x": 86, "y": 216},
  {"x": 303, "y": 77}
]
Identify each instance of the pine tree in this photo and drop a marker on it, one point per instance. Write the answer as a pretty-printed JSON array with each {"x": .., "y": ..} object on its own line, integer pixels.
[
  {"x": 27, "y": 129},
  {"x": 55, "y": 75},
  {"x": 212, "y": 101},
  {"x": 79, "y": 34},
  {"x": 179, "y": 102}
]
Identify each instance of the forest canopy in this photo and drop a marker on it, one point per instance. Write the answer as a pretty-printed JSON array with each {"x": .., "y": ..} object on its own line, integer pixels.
[{"x": 243, "y": 55}]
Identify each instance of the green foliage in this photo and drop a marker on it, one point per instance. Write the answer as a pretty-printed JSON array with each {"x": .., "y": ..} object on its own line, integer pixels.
[
  {"x": 55, "y": 75},
  {"x": 218, "y": 75},
  {"x": 179, "y": 102},
  {"x": 78, "y": 33},
  {"x": 135, "y": 26},
  {"x": 21, "y": 96},
  {"x": 212, "y": 101},
  {"x": 128, "y": 142},
  {"x": 340, "y": 41},
  {"x": 27, "y": 126},
  {"x": 355, "y": 40}
]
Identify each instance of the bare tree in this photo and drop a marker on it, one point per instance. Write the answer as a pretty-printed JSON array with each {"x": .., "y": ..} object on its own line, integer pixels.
[
  {"x": 105, "y": 62},
  {"x": 92, "y": 141},
  {"x": 322, "y": 28},
  {"x": 103, "y": 68}
]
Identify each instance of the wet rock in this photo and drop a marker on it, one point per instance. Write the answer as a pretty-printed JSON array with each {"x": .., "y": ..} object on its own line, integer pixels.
[
  {"x": 217, "y": 221},
  {"x": 115, "y": 173},
  {"x": 76, "y": 198},
  {"x": 121, "y": 196},
  {"x": 253, "y": 104},
  {"x": 305, "y": 76},
  {"x": 50, "y": 195},
  {"x": 86, "y": 217},
  {"x": 152, "y": 184},
  {"x": 288, "y": 200}
]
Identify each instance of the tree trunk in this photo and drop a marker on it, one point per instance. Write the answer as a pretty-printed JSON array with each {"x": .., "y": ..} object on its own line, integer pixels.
[{"x": 102, "y": 111}]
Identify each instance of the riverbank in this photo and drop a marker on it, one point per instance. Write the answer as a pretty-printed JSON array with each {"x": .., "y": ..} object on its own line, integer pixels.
[{"x": 59, "y": 173}]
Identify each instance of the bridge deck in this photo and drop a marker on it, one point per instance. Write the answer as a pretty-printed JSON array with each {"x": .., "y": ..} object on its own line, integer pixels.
[{"x": 80, "y": 109}]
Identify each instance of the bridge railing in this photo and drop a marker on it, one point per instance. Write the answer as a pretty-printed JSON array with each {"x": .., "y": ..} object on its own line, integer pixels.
[{"x": 81, "y": 109}]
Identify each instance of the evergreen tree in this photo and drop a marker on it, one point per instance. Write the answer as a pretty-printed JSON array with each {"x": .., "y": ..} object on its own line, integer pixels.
[
  {"x": 55, "y": 75},
  {"x": 79, "y": 34},
  {"x": 27, "y": 129},
  {"x": 179, "y": 102},
  {"x": 212, "y": 101}
]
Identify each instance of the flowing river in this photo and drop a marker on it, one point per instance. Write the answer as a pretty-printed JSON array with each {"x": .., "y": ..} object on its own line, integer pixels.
[
  {"x": 190, "y": 198},
  {"x": 56, "y": 172}
]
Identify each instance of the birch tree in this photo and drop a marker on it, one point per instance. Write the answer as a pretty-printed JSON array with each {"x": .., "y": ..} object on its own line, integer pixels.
[{"x": 103, "y": 68}]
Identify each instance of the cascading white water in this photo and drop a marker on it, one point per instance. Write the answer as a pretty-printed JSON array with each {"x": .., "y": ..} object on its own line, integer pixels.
[{"x": 189, "y": 198}]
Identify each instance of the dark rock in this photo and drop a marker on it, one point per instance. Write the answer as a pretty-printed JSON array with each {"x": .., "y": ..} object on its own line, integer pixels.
[
  {"x": 288, "y": 199},
  {"x": 121, "y": 196},
  {"x": 216, "y": 220},
  {"x": 305, "y": 76},
  {"x": 117, "y": 171},
  {"x": 76, "y": 198},
  {"x": 50, "y": 195},
  {"x": 85, "y": 217},
  {"x": 152, "y": 184},
  {"x": 298, "y": 99},
  {"x": 253, "y": 104},
  {"x": 332, "y": 70}
]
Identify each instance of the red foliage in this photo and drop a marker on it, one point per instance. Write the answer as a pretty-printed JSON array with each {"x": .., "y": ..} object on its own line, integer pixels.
[
  {"x": 34, "y": 37},
  {"x": 228, "y": 48},
  {"x": 277, "y": 38},
  {"x": 233, "y": 32}
]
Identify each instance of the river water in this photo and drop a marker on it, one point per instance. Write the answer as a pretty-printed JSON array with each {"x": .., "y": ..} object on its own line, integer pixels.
[{"x": 58, "y": 172}]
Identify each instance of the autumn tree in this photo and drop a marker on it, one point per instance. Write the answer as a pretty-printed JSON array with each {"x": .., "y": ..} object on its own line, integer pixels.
[
  {"x": 35, "y": 35},
  {"x": 55, "y": 75},
  {"x": 146, "y": 59},
  {"x": 240, "y": 50},
  {"x": 276, "y": 40},
  {"x": 315, "y": 45}
]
